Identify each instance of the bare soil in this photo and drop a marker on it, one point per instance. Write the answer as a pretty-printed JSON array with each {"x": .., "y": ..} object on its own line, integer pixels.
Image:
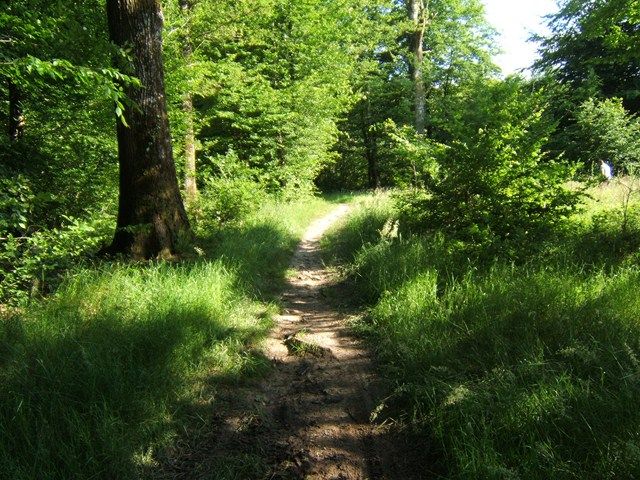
[{"x": 310, "y": 417}]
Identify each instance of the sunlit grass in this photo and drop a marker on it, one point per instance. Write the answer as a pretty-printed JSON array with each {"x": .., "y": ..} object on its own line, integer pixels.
[
  {"x": 611, "y": 196},
  {"x": 101, "y": 376},
  {"x": 523, "y": 369}
]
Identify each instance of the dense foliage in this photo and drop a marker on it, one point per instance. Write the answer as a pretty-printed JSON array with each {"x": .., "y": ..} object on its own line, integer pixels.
[
  {"x": 493, "y": 179},
  {"x": 590, "y": 56},
  {"x": 592, "y": 48},
  {"x": 270, "y": 81},
  {"x": 267, "y": 90},
  {"x": 459, "y": 44},
  {"x": 605, "y": 130}
]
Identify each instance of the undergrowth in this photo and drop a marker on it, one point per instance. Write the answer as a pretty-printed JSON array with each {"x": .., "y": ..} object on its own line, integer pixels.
[
  {"x": 109, "y": 370},
  {"x": 515, "y": 365}
]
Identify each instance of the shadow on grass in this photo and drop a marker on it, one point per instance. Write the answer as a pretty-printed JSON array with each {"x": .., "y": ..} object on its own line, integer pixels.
[
  {"x": 126, "y": 359},
  {"x": 260, "y": 254},
  {"x": 599, "y": 247},
  {"x": 529, "y": 376},
  {"x": 98, "y": 377}
]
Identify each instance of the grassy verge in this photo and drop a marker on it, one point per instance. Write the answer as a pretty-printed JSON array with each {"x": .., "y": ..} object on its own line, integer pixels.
[
  {"x": 260, "y": 248},
  {"x": 514, "y": 370},
  {"x": 107, "y": 371}
]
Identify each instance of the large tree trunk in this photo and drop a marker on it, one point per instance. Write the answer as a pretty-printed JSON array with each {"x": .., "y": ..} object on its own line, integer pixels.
[
  {"x": 151, "y": 215},
  {"x": 418, "y": 15},
  {"x": 16, "y": 115},
  {"x": 190, "y": 185}
]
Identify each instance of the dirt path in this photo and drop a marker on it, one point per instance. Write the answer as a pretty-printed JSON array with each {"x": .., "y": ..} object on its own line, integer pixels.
[
  {"x": 321, "y": 391},
  {"x": 310, "y": 417}
]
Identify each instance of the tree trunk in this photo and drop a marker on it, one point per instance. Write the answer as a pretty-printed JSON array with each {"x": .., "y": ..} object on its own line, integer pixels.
[
  {"x": 16, "y": 115},
  {"x": 372, "y": 165},
  {"x": 418, "y": 15},
  {"x": 190, "y": 185},
  {"x": 370, "y": 149},
  {"x": 151, "y": 215}
]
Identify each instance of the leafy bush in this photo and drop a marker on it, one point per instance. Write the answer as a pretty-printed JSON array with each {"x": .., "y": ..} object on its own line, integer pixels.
[
  {"x": 494, "y": 179},
  {"x": 16, "y": 204},
  {"x": 31, "y": 254},
  {"x": 415, "y": 156},
  {"x": 30, "y": 265},
  {"x": 606, "y": 131},
  {"x": 224, "y": 200}
]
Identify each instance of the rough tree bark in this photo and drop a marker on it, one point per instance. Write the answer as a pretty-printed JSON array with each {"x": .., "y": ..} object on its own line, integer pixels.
[
  {"x": 190, "y": 185},
  {"x": 16, "y": 115},
  {"x": 151, "y": 215},
  {"x": 418, "y": 14}
]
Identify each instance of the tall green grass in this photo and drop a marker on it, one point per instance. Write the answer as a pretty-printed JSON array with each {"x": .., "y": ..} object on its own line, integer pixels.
[
  {"x": 259, "y": 249},
  {"x": 99, "y": 377},
  {"x": 515, "y": 369}
]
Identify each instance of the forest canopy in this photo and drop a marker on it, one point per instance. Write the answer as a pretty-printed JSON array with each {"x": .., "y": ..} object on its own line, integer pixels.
[{"x": 280, "y": 98}]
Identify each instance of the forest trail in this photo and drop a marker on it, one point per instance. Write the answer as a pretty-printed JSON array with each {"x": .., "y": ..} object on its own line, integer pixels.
[
  {"x": 321, "y": 392},
  {"x": 309, "y": 418},
  {"x": 324, "y": 387}
]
